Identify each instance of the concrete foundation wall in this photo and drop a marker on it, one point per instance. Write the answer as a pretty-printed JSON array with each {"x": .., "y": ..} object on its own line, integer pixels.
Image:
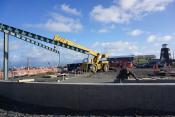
[{"x": 94, "y": 96}]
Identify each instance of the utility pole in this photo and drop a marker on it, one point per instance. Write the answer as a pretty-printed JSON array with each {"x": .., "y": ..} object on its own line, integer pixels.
[
  {"x": 6, "y": 54},
  {"x": 28, "y": 60},
  {"x": 173, "y": 54}
]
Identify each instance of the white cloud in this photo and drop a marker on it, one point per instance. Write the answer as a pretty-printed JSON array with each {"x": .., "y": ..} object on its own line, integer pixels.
[
  {"x": 68, "y": 56},
  {"x": 123, "y": 11},
  {"x": 39, "y": 56},
  {"x": 13, "y": 45},
  {"x": 108, "y": 15},
  {"x": 127, "y": 4},
  {"x": 160, "y": 38},
  {"x": 152, "y": 38},
  {"x": 106, "y": 29},
  {"x": 59, "y": 23},
  {"x": 114, "y": 48},
  {"x": 66, "y": 8},
  {"x": 136, "y": 32},
  {"x": 20, "y": 50},
  {"x": 103, "y": 30},
  {"x": 117, "y": 48},
  {"x": 1, "y": 44},
  {"x": 167, "y": 38}
]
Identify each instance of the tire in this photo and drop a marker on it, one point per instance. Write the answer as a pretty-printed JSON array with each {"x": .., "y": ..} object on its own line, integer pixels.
[
  {"x": 106, "y": 68},
  {"x": 93, "y": 68}
]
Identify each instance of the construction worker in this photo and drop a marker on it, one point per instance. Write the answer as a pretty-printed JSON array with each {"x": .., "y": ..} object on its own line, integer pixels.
[{"x": 124, "y": 73}]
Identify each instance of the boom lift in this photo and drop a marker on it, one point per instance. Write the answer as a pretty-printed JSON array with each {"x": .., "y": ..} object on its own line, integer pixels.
[{"x": 95, "y": 63}]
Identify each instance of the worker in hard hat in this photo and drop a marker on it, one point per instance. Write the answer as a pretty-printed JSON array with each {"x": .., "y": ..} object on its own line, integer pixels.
[{"x": 124, "y": 73}]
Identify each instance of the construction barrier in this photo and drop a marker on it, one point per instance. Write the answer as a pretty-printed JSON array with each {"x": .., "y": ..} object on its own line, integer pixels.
[{"x": 30, "y": 71}]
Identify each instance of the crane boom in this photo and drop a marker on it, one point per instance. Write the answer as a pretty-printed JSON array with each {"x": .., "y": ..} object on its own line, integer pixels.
[
  {"x": 95, "y": 63},
  {"x": 71, "y": 43}
]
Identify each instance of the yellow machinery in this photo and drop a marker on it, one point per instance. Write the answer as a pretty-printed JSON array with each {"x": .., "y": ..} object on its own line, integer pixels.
[{"x": 95, "y": 63}]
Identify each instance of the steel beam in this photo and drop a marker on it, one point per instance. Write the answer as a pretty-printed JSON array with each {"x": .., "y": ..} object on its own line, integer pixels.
[{"x": 6, "y": 52}]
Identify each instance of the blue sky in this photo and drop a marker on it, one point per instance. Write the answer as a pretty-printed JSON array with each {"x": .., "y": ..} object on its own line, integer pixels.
[{"x": 115, "y": 27}]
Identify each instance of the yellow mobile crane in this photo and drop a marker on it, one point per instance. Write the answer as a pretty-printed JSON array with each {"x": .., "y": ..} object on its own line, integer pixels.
[{"x": 95, "y": 63}]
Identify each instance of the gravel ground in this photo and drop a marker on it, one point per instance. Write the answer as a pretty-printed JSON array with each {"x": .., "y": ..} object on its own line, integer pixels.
[
  {"x": 107, "y": 77},
  {"x": 99, "y": 77}
]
